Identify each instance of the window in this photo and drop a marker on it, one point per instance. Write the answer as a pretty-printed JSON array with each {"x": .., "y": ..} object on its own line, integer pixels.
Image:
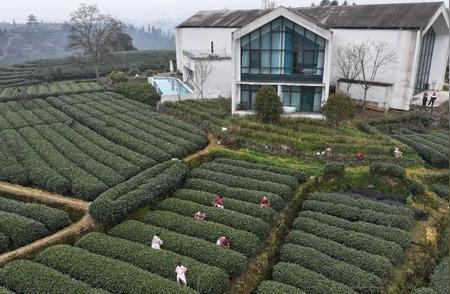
[
  {"x": 282, "y": 49},
  {"x": 426, "y": 54},
  {"x": 304, "y": 99},
  {"x": 248, "y": 96}
]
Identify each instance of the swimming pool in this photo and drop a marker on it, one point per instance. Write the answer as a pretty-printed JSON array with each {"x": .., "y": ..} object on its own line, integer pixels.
[{"x": 170, "y": 86}]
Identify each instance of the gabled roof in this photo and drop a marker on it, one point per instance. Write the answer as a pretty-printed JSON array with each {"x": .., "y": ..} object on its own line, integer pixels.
[{"x": 382, "y": 16}]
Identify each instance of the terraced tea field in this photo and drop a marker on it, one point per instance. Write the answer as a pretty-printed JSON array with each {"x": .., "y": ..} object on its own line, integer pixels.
[
  {"x": 83, "y": 144},
  {"x": 341, "y": 244}
]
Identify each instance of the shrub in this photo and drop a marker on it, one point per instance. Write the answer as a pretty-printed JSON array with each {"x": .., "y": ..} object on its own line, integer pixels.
[
  {"x": 118, "y": 76},
  {"x": 116, "y": 204},
  {"x": 106, "y": 273},
  {"x": 20, "y": 230},
  {"x": 352, "y": 213},
  {"x": 300, "y": 175},
  {"x": 241, "y": 241},
  {"x": 201, "y": 277},
  {"x": 366, "y": 127},
  {"x": 139, "y": 90},
  {"x": 376, "y": 264},
  {"x": 206, "y": 252},
  {"x": 250, "y": 196},
  {"x": 268, "y": 105},
  {"x": 244, "y": 183},
  {"x": 415, "y": 187},
  {"x": 307, "y": 280},
  {"x": 334, "y": 169},
  {"x": 133, "y": 71},
  {"x": 222, "y": 216},
  {"x": 23, "y": 276},
  {"x": 316, "y": 261},
  {"x": 205, "y": 198},
  {"x": 273, "y": 287},
  {"x": 423, "y": 291},
  {"x": 440, "y": 190},
  {"x": 252, "y": 173},
  {"x": 439, "y": 280},
  {"x": 338, "y": 108},
  {"x": 398, "y": 236},
  {"x": 359, "y": 241},
  {"x": 387, "y": 169},
  {"x": 53, "y": 219},
  {"x": 4, "y": 242}
]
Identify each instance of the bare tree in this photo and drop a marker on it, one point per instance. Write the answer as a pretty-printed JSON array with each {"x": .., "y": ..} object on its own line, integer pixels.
[
  {"x": 202, "y": 69},
  {"x": 347, "y": 63},
  {"x": 268, "y": 4},
  {"x": 95, "y": 34},
  {"x": 371, "y": 57}
]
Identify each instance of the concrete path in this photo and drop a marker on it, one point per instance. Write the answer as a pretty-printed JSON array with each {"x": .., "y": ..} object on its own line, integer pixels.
[{"x": 442, "y": 96}]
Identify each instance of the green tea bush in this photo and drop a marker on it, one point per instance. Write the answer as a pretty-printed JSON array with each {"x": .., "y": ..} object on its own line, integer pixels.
[
  {"x": 244, "y": 183},
  {"x": 116, "y": 204},
  {"x": 401, "y": 237},
  {"x": 300, "y": 175},
  {"x": 201, "y": 277},
  {"x": 428, "y": 153},
  {"x": 334, "y": 169},
  {"x": 273, "y": 287},
  {"x": 230, "y": 261},
  {"x": 352, "y": 213},
  {"x": 251, "y": 173},
  {"x": 268, "y": 105},
  {"x": 387, "y": 169},
  {"x": 440, "y": 190},
  {"x": 139, "y": 90},
  {"x": 439, "y": 280},
  {"x": 250, "y": 196},
  {"x": 366, "y": 127},
  {"x": 4, "y": 242},
  {"x": 415, "y": 187},
  {"x": 20, "y": 230},
  {"x": 338, "y": 108},
  {"x": 376, "y": 264},
  {"x": 221, "y": 216},
  {"x": 307, "y": 280},
  {"x": 316, "y": 261},
  {"x": 106, "y": 273},
  {"x": 423, "y": 291},
  {"x": 253, "y": 209},
  {"x": 53, "y": 219},
  {"x": 24, "y": 276},
  {"x": 241, "y": 241},
  {"x": 359, "y": 241},
  {"x": 118, "y": 76}
]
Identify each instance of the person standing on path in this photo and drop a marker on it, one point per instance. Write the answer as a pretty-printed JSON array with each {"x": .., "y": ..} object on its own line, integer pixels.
[
  {"x": 433, "y": 98},
  {"x": 425, "y": 98}
]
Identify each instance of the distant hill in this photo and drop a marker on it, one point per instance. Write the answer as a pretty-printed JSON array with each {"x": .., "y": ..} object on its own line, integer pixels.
[{"x": 20, "y": 42}]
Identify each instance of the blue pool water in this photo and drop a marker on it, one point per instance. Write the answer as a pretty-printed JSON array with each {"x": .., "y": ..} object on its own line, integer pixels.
[{"x": 170, "y": 86}]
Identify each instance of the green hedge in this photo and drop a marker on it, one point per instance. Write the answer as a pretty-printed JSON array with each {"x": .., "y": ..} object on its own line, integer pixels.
[
  {"x": 440, "y": 190},
  {"x": 423, "y": 291},
  {"x": 316, "y": 261},
  {"x": 334, "y": 169},
  {"x": 53, "y": 219},
  {"x": 252, "y": 173},
  {"x": 241, "y": 241},
  {"x": 267, "y": 214},
  {"x": 439, "y": 280},
  {"x": 112, "y": 206},
  {"x": 27, "y": 277},
  {"x": 307, "y": 280},
  {"x": 428, "y": 153},
  {"x": 206, "y": 252},
  {"x": 398, "y": 236},
  {"x": 359, "y": 241},
  {"x": 5, "y": 291},
  {"x": 246, "y": 195},
  {"x": 4, "y": 242},
  {"x": 245, "y": 183},
  {"x": 352, "y": 213},
  {"x": 298, "y": 174},
  {"x": 362, "y": 202},
  {"x": 221, "y": 216},
  {"x": 139, "y": 90},
  {"x": 376, "y": 264},
  {"x": 387, "y": 169},
  {"x": 106, "y": 273},
  {"x": 20, "y": 230},
  {"x": 273, "y": 287},
  {"x": 201, "y": 277}
]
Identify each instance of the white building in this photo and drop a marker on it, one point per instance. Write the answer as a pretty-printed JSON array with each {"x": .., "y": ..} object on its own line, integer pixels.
[{"x": 294, "y": 49}]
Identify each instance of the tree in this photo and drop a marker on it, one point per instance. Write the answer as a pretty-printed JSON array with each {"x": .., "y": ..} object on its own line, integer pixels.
[
  {"x": 339, "y": 108},
  {"x": 347, "y": 63},
  {"x": 334, "y": 3},
  {"x": 268, "y": 105},
  {"x": 371, "y": 57},
  {"x": 95, "y": 34},
  {"x": 345, "y": 3},
  {"x": 268, "y": 4},
  {"x": 324, "y": 3},
  {"x": 202, "y": 69},
  {"x": 32, "y": 20}
]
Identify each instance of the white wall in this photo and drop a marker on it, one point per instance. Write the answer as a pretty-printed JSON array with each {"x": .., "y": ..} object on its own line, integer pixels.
[
  {"x": 219, "y": 80},
  {"x": 399, "y": 73}
]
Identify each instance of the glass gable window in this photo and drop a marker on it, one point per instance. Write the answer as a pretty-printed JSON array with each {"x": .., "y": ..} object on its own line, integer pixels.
[
  {"x": 304, "y": 99},
  {"x": 282, "y": 50},
  {"x": 426, "y": 54}
]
